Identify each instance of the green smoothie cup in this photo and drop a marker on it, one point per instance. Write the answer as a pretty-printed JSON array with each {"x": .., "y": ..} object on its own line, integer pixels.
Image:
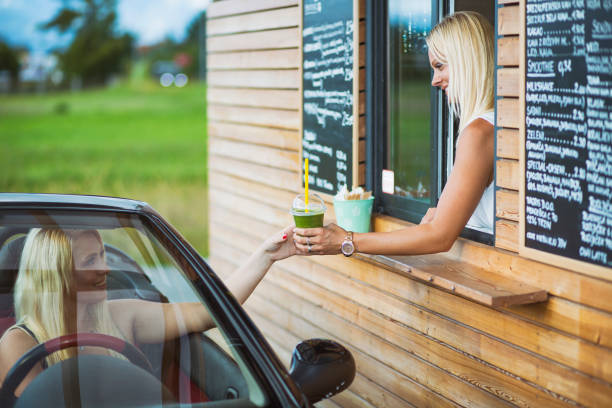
[{"x": 310, "y": 216}]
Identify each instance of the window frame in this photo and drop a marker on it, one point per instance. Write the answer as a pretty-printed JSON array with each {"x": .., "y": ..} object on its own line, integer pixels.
[
  {"x": 378, "y": 117},
  {"x": 377, "y": 123}
]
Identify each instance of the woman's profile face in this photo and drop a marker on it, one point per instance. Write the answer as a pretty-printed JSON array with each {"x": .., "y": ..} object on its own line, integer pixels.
[
  {"x": 440, "y": 72},
  {"x": 90, "y": 268}
]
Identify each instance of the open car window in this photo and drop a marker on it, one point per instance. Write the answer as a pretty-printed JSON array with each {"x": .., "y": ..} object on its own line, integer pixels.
[{"x": 120, "y": 264}]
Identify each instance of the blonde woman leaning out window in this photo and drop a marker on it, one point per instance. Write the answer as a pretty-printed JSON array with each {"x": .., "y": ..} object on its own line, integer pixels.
[{"x": 461, "y": 54}]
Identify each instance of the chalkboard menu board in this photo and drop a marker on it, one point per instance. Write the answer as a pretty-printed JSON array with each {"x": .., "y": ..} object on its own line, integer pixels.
[
  {"x": 328, "y": 131},
  {"x": 568, "y": 131}
]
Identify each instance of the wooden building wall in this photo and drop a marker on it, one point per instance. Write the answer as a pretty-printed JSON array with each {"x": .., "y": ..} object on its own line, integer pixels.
[{"x": 415, "y": 344}]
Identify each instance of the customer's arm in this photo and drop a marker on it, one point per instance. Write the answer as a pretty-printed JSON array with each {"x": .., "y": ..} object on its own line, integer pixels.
[
  {"x": 143, "y": 318},
  {"x": 244, "y": 280}
]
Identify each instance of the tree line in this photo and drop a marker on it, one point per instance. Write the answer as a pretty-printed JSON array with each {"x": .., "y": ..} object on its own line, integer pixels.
[{"x": 98, "y": 49}]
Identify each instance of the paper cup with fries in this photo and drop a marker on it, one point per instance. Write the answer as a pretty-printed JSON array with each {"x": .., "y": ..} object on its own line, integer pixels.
[{"x": 353, "y": 209}]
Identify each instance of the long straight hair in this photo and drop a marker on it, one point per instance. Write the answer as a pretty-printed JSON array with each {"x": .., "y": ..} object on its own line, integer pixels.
[
  {"x": 44, "y": 286},
  {"x": 464, "y": 41}
]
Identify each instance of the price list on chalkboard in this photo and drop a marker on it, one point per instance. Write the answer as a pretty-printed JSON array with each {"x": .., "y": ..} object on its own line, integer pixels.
[
  {"x": 568, "y": 129},
  {"x": 327, "y": 139}
]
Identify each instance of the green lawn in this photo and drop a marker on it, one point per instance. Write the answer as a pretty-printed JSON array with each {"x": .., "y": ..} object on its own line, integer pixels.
[{"x": 142, "y": 142}]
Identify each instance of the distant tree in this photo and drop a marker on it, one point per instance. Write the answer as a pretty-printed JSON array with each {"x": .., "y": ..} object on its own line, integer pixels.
[
  {"x": 188, "y": 54},
  {"x": 193, "y": 29},
  {"x": 192, "y": 43},
  {"x": 195, "y": 44},
  {"x": 9, "y": 61},
  {"x": 97, "y": 50}
]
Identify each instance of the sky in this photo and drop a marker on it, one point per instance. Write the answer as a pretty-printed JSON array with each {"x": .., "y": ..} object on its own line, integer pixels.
[{"x": 150, "y": 20}]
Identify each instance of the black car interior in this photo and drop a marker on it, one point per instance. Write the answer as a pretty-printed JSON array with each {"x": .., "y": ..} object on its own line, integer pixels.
[{"x": 193, "y": 362}]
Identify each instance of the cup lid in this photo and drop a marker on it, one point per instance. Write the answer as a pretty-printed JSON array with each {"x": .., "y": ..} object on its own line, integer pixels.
[{"x": 315, "y": 203}]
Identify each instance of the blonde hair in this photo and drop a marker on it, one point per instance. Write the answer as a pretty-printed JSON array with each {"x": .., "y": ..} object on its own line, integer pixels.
[
  {"x": 464, "y": 41},
  {"x": 44, "y": 284}
]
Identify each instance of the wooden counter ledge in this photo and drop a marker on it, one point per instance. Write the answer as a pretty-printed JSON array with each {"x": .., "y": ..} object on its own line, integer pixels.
[
  {"x": 455, "y": 273},
  {"x": 462, "y": 278}
]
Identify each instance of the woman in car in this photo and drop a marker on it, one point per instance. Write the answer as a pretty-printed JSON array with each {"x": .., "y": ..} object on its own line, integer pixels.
[
  {"x": 61, "y": 289},
  {"x": 461, "y": 54}
]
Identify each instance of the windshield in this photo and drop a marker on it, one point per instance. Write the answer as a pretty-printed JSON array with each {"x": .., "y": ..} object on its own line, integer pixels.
[{"x": 88, "y": 273}]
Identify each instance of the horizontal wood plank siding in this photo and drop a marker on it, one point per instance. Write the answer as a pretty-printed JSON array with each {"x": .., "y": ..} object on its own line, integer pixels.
[
  {"x": 260, "y": 98},
  {"x": 507, "y": 174},
  {"x": 508, "y": 20},
  {"x": 414, "y": 344},
  {"x": 507, "y": 82},
  {"x": 506, "y": 235},
  {"x": 268, "y": 59},
  {"x": 254, "y": 172},
  {"x": 261, "y": 40},
  {"x": 269, "y": 79},
  {"x": 280, "y": 138},
  {"x": 507, "y": 204},
  {"x": 264, "y": 155},
  {"x": 508, "y": 51},
  {"x": 255, "y": 116},
  {"x": 233, "y": 7},
  {"x": 508, "y": 143},
  {"x": 266, "y": 20},
  {"x": 508, "y": 113}
]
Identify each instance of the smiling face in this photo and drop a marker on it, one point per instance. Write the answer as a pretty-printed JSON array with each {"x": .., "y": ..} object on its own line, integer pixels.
[
  {"x": 90, "y": 268},
  {"x": 440, "y": 72}
]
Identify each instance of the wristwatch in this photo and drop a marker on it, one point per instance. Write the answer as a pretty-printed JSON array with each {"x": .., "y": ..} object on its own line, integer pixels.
[{"x": 348, "y": 247}]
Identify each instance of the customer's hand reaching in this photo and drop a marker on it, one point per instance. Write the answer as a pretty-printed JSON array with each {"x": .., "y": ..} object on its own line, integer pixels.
[{"x": 280, "y": 245}]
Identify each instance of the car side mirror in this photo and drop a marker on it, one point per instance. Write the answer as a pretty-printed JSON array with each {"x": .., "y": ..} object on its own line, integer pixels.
[{"x": 321, "y": 368}]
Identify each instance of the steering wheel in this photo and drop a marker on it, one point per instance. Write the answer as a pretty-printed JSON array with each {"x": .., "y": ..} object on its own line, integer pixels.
[{"x": 23, "y": 366}]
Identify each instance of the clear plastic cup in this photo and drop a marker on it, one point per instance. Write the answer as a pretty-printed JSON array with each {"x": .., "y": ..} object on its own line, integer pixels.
[{"x": 312, "y": 218}]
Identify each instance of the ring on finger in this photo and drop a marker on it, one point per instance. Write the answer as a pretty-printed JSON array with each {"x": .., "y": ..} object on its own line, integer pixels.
[{"x": 309, "y": 247}]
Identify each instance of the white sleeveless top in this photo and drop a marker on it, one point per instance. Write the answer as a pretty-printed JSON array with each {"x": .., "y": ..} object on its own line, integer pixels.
[{"x": 482, "y": 219}]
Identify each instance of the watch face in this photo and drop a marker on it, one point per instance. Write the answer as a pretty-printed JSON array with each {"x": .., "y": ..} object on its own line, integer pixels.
[{"x": 347, "y": 248}]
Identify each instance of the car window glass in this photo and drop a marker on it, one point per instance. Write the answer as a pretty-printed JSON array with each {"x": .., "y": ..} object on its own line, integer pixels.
[{"x": 120, "y": 267}]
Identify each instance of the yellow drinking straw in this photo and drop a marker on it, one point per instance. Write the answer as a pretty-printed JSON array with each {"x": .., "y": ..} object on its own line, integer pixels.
[{"x": 306, "y": 183}]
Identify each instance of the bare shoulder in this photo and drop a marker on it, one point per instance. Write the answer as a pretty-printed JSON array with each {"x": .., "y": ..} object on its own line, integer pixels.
[
  {"x": 13, "y": 345},
  {"x": 15, "y": 339},
  {"x": 476, "y": 139},
  {"x": 478, "y": 129}
]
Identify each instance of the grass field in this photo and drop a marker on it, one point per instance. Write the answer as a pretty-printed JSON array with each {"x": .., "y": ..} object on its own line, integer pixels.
[{"x": 143, "y": 142}]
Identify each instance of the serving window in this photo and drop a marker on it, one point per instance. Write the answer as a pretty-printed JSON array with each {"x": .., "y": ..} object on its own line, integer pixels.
[{"x": 412, "y": 134}]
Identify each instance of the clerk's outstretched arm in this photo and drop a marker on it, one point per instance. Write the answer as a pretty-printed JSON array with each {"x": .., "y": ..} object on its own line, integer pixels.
[{"x": 472, "y": 171}]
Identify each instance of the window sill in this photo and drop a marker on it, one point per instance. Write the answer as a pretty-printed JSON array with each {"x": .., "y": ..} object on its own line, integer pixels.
[{"x": 447, "y": 272}]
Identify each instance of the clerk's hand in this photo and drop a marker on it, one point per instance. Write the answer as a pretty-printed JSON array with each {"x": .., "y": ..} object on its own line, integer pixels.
[{"x": 325, "y": 240}]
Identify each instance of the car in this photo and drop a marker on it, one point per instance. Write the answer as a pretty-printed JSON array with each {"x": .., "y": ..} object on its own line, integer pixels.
[{"x": 230, "y": 365}]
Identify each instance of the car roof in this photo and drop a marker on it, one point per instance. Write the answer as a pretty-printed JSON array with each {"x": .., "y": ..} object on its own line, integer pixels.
[{"x": 16, "y": 200}]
